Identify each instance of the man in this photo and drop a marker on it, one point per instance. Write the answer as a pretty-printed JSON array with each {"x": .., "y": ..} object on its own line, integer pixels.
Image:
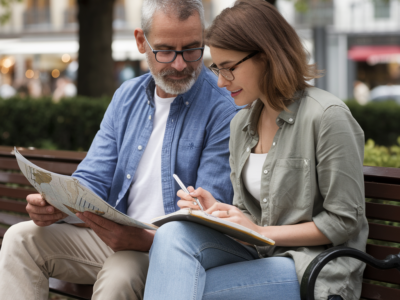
[{"x": 174, "y": 120}]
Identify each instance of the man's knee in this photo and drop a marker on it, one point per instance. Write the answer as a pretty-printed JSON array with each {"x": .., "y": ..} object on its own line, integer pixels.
[{"x": 18, "y": 234}]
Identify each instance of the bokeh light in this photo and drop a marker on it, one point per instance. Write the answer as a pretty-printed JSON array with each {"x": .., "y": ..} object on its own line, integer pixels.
[
  {"x": 66, "y": 58},
  {"x": 4, "y": 70},
  {"x": 29, "y": 74},
  {"x": 8, "y": 62},
  {"x": 55, "y": 73}
]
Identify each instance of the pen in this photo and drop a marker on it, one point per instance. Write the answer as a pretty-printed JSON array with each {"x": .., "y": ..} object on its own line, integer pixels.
[{"x": 185, "y": 190}]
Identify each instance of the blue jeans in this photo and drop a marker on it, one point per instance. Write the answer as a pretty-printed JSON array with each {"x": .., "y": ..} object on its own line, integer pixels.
[{"x": 190, "y": 261}]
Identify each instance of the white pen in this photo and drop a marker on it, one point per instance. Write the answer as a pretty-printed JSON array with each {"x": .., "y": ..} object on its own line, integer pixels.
[{"x": 186, "y": 190}]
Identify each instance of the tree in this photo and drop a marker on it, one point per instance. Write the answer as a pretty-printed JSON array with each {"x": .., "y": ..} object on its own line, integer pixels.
[
  {"x": 95, "y": 17},
  {"x": 6, "y": 5},
  {"x": 95, "y": 73}
]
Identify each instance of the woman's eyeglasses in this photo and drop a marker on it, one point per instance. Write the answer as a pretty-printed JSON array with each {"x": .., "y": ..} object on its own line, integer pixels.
[{"x": 227, "y": 72}]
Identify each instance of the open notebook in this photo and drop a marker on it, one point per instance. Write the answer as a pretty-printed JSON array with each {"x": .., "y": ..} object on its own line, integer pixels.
[{"x": 234, "y": 230}]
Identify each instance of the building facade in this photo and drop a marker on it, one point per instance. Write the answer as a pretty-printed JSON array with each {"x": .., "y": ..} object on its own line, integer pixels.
[{"x": 39, "y": 43}]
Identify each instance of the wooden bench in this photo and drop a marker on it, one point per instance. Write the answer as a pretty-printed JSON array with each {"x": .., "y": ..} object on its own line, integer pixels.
[
  {"x": 14, "y": 188},
  {"x": 380, "y": 183}
]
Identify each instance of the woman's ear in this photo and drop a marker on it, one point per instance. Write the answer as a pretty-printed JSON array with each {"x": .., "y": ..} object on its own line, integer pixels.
[{"x": 140, "y": 40}]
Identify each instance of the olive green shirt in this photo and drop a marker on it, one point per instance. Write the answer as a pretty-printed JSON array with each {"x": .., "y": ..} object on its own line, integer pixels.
[{"x": 313, "y": 173}]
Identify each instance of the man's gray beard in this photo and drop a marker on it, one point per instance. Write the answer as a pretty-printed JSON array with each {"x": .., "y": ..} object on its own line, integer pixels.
[{"x": 174, "y": 86}]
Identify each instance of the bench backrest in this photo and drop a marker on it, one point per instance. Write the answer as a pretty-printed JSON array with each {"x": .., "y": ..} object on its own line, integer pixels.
[
  {"x": 14, "y": 187},
  {"x": 382, "y": 192},
  {"x": 382, "y": 186}
]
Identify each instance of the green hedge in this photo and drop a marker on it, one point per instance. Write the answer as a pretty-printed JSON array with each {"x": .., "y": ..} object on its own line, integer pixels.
[
  {"x": 70, "y": 124},
  {"x": 381, "y": 156},
  {"x": 379, "y": 120}
]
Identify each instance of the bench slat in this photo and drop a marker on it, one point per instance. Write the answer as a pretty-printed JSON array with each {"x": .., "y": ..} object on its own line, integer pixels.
[
  {"x": 2, "y": 231},
  {"x": 391, "y": 276},
  {"x": 56, "y": 167},
  {"x": 384, "y": 233},
  {"x": 14, "y": 206},
  {"x": 382, "y": 191},
  {"x": 382, "y": 212},
  {"x": 380, "y": 174},
  {"x": 8, "y": 219},
  {"x": 13, "y": 178},
  {"x": 381, "y": 252},
  {"x": 80, "y": 291},
  {"x": 15, "y": 192},
  {"x": 376, "y": 292},
  {"x": 48, "y": 155}
]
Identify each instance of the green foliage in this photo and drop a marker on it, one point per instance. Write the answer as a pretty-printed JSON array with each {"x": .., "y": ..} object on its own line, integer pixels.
[
  {"x": 6, "y": 5},
  {"x": 70, "y": 124},
  {"x": 381, "y": 156},
  {"x": 379, "y": 120}
]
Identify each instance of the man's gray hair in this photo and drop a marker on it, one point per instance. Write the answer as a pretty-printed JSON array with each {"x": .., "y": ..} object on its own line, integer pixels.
[{"x": 182, "y": 9}]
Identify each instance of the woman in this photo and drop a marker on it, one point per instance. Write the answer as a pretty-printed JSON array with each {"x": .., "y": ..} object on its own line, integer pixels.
[{"x": 296, "y": 168}]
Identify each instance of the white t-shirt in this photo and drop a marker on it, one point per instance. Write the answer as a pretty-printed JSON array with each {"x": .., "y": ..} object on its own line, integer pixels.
[
  {"x": 145, "y": 200},
  {"x": 252, "y": 172}
]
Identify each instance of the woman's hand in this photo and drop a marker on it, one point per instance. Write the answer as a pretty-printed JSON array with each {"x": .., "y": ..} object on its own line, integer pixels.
[
  {"x": 233, "y": 214},
  {"x": 187, "y": 201}
]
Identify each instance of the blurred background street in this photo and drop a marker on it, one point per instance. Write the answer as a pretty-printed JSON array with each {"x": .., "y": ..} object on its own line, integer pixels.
[
  {"x": 357, "y": 42},
  {"x": 71, "y": 55}
]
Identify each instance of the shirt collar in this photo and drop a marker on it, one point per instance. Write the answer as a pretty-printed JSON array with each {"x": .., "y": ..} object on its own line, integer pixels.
[{"x": 288, "y": 116}]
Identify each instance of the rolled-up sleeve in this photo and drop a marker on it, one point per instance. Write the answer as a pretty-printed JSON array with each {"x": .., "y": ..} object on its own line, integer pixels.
[{"x": 340, "y": 154}]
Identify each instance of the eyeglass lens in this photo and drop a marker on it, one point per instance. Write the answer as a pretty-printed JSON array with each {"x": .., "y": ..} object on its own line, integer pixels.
[
  {"x": 226, "y": 73},
  {"x": 169, "y": 56}
]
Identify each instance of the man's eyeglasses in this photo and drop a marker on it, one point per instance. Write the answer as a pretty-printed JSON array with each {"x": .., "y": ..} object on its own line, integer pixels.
[
  {"x": 227, "y": 72},
  {"x": 168, "y": 56}
]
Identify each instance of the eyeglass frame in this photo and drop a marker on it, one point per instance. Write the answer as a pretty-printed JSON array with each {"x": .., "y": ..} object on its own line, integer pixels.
[
  {"x": 217, "y": 71},
  {"x": 176, "y": 53}
]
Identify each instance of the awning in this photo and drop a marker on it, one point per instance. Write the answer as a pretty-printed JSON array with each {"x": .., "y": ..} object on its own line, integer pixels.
[
  {"x": 122, "y": 49},
  {"x": 375, "y": 54}
]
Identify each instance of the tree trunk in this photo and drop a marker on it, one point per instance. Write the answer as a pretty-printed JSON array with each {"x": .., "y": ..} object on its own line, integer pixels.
[{"x": 95, "y": 73}]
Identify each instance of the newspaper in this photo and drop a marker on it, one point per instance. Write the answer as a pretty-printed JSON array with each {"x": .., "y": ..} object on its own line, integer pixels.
[{"x": 69, "y": 196}]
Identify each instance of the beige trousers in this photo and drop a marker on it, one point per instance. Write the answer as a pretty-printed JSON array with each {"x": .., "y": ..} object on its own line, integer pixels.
[{"x": 31, "y": 254}]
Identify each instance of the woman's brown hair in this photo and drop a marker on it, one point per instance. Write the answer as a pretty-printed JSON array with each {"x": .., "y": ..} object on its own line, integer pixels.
[{"x": 256, "y": 25}]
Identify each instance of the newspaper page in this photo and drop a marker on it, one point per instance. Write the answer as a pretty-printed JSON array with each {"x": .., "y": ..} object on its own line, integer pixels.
[{"x": 69, "y": 196}]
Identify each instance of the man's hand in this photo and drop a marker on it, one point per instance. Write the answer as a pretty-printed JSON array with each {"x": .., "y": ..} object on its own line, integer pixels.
[
  {"x": 118, "y": 237},
  {"x": 42, "y": 213}
]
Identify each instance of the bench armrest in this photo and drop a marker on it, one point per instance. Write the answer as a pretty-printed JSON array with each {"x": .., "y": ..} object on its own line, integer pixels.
[{"x": 310, "y": 275}]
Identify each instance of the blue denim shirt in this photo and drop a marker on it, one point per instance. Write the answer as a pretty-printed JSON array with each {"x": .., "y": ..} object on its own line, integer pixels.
[{"x": 195, "y": 147}]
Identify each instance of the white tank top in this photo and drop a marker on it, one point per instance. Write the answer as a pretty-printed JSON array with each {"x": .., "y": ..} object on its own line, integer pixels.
[{"x": 252, "y": 172}]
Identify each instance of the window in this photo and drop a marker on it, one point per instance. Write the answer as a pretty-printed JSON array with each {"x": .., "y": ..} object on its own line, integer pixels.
[
  {"x": 381, "y": 9},
  {"x": 37, "y": 14}
]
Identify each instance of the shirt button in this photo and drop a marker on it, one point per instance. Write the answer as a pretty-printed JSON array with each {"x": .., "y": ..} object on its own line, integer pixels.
[
  {"x": 172, "y": 120},
  {"x": 248, "y": 149},
  {"x": 265, "y": 171},
  {"x": 149, "y": 117},
  {"x": 277, "y": 120},
  {"x": 128, "y": 176},
  {"x": 265, "y": 200},
  {"x": 148, "y": 102},
  {"x": 140, "y": 147},
  {"x": 187, "y": 103},
  {"x": 291, "y": 120},
  {"x": 273, "y": 144}
]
